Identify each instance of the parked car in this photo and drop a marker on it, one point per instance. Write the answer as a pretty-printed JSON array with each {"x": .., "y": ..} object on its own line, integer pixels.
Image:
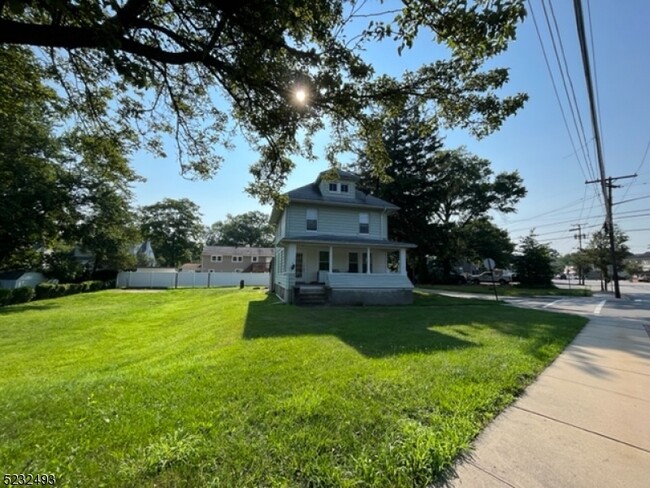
[{"x": 487, "y": 277}]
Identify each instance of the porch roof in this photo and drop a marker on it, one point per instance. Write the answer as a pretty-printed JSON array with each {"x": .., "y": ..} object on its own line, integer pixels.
[{"x": 337, "y": 240}]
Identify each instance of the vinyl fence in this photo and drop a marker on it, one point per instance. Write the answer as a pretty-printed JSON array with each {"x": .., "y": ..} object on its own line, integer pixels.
[{"x": 188, "y": 279}]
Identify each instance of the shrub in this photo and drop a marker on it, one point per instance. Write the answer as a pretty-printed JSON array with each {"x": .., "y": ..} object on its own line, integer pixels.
[
  {"x": 22, "y": 294},
  {"x": 5, "y": 296},
  {"x": 73, "y": 288},
  {"x": 44, "y": 290},
  {"x": 96, "y": 285}
]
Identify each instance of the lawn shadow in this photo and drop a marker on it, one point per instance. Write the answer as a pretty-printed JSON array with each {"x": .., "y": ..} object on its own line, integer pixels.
[
  {"x": 13, "y": 309},
  {"x": 372, "y": 331}
]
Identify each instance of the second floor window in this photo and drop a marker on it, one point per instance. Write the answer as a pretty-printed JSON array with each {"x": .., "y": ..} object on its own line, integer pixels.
[
  {"x": 364, "y": 223},
  {"x": 255, "y": 259},
  {"x": 333, "y": 187},
  {"x": 237, "y": 259},
  {"x": 216, "y": 259},
  {"x": 312, "y": 219}
]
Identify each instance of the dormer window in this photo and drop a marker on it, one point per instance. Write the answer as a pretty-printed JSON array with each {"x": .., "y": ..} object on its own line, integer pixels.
[
  {"x": 333, "y": 187},
  {"x": 344, "y": 188}
]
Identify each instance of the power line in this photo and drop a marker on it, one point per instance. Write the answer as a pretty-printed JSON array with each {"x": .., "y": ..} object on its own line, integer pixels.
[
  {"x": 568, "y": 75},
  {"x": 606, "y": 183},
  {"x": 557, "y": 95},
  {"x": 638, "y": 169}
]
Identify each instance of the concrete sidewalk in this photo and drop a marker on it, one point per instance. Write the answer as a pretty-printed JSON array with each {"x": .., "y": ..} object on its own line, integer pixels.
[{"x": 585, "y": 422}]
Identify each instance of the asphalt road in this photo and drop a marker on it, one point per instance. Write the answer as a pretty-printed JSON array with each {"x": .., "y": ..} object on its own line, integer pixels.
[{"x": 634, "y": 303}]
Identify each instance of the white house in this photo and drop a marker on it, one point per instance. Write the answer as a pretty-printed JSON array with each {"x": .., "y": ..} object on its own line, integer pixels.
[{"x": 332, "y": 243}]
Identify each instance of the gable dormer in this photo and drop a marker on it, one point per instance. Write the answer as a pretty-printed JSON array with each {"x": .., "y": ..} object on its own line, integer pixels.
[{"x": 336, "y": 183}]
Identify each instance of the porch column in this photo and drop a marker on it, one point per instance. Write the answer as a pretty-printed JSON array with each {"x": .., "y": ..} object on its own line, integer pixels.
[
  {"x": 331, "y": 258},
  {"x": 402, "y": 262},
  {"x": 290, "y": 263},
  {"x": 368, "y": 261}
]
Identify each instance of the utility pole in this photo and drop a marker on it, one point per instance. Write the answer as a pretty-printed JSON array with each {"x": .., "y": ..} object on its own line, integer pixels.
[
  {"x": 579, "y": 236},
  {"x": 609, "y": 223}
]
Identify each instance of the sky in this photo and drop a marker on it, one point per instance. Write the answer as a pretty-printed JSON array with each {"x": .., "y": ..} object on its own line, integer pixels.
[{"x": 548, "y": 153}]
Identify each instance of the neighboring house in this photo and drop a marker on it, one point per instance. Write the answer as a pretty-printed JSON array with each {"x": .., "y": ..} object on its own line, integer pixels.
[
  {"x": 332, "y": 239},
  {"x": 16, "y": 279},
  {"x": 145, "y": 255},
  {"x": 643, "y": 259},
  {"x": 226, "y": 259},
  {"x": 196, "y": 267}
]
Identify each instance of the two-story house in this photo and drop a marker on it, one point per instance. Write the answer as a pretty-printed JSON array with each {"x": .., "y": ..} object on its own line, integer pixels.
[
  {"x": 228, "y": 259},
  {"x": 333, "y": 238}
]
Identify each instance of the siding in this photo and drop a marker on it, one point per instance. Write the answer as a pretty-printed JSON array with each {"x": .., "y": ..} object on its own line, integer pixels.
[{"x": 333, "y": 220}]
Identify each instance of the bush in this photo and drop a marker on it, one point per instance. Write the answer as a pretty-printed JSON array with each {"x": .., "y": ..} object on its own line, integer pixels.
[
  {"x": 5, "y": 296},
  {"x": 44, "y": 290},
  {"x": 22, "y": 294},
  {"x": 73, "y": 288},
  {"x": 96, "y": 285}
]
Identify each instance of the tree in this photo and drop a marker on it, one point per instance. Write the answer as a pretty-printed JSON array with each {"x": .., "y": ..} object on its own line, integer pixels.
[
  {"x": 405, "y": 182},
  {"x": 34, "y": 185},
  {"x": 106, "y": 224},
  {"x": 534, "y": 264},
  {"x": 248, "y": 229},
  {"x": 599, "y": 251},
  {"x": 440, "y": 193},
  {"x": 175, "y": 230},
  {"x": 197, "y": 70},
  {"x": 483, "y": 239}
]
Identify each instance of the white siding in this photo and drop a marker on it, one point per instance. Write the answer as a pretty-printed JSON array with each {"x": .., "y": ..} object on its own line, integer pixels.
[{"x": 332, "y": 221}]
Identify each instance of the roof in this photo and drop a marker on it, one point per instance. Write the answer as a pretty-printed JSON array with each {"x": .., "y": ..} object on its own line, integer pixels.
[
  {"x": 238, "y": 251},
  {"x": 11, "y": 275},
  {"x": 341, "y": 175},
  {"x": 351, "y": 240},
  {"x": 311, "y": 194}
]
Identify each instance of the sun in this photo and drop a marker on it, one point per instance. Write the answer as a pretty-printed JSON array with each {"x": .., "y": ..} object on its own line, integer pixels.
[{"x": 301, "y": 95}]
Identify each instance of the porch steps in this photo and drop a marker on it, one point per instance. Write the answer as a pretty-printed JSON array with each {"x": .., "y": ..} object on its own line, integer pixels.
[{"x": 311, "y": 295}]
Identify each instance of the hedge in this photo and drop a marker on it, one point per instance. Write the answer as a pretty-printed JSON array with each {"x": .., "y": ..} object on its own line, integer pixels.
[{"x": 43, "y": 291}]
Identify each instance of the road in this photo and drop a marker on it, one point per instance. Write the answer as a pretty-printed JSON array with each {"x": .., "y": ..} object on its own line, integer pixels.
[{"x": 634, "y": 303}]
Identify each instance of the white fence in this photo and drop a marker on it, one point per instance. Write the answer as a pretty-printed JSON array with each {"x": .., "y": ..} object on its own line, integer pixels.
[{"x": 188, "y": 279}]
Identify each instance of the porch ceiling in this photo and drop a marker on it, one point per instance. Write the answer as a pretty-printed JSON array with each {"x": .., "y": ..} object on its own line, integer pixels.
[{"x": 335, "y": 240}]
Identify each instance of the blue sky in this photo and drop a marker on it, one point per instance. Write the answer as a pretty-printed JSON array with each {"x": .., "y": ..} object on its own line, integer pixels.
[{"x": 535, "y": 142}]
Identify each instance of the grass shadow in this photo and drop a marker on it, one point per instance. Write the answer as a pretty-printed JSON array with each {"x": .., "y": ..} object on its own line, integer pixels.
[
  {"x": 373, "y": 331},
  {"x": 27, "y": 307}
]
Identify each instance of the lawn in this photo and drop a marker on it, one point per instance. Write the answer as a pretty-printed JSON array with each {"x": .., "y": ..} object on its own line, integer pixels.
[
  {"x": 513, "y": 290},
  {"x": 228, "y": 388}
]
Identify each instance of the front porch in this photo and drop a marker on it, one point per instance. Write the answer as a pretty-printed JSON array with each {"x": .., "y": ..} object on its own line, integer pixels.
[{"x": 348, "y": 274}]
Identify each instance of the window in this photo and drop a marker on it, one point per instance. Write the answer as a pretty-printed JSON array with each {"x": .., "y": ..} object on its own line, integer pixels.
[
  {"x": 364, "y": 223},
  {"x": 324, "y": 261},
  {"x": 237, "y": 259},
  {"x": 353, "y": 263},
  {"x": 333, "y": 187},
  {"x": 312, "y": 219},
  {"x": 344, "y": 188},
  {"x": 255, "y": 259},
  {"x": 216, "y": 259}
]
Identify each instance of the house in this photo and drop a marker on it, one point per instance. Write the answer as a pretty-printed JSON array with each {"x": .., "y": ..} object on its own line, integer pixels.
[
  {"x": 16, "y": 279},
  {"x": 226, "y": 259},
  {"x": 332, "y": 242}
]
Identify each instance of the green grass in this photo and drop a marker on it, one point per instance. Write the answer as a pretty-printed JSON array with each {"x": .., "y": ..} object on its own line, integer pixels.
[
  {"x": 513, "y": 290},
  {"x": 228, "y": 388}
]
